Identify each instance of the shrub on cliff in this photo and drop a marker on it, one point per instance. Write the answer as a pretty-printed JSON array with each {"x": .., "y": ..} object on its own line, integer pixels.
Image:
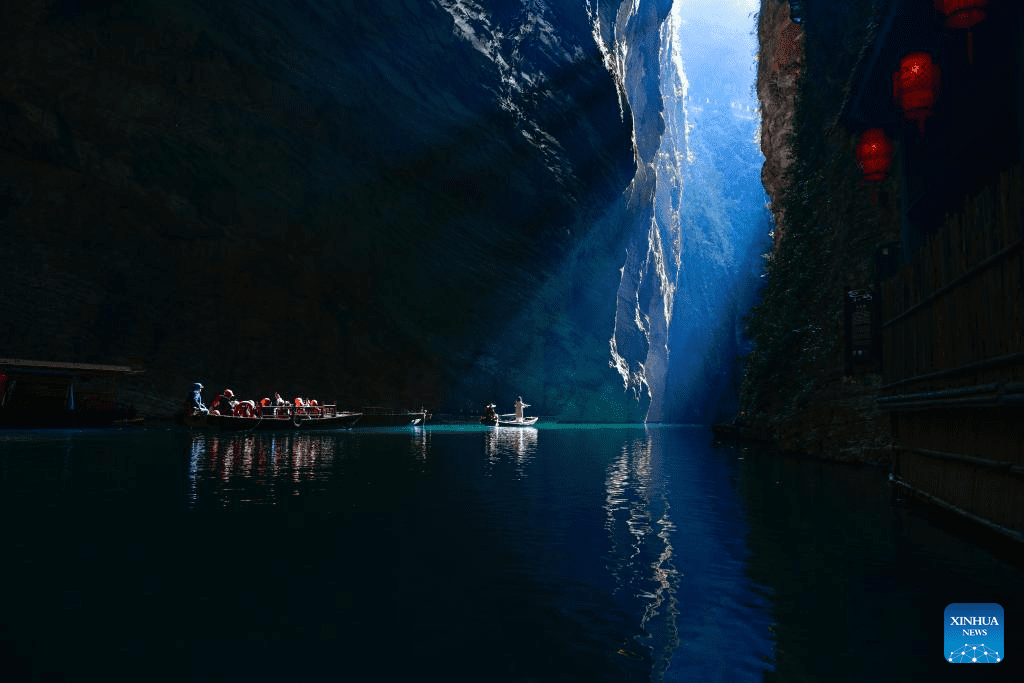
[{"x": 796, "y": 328}]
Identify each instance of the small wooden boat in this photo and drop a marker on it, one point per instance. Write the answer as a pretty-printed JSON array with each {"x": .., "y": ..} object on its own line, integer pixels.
[
  {"x": 525, "y": 422},
  {"x": 508, "y": 421},
  {"x": 271, "y": 418}
]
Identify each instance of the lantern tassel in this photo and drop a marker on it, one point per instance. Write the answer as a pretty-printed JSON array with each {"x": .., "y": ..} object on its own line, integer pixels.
[{"x": 970, "y": 46}]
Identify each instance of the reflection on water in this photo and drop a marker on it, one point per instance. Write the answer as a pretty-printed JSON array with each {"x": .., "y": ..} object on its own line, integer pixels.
[
  {"x": 257, "y": 466},
  {"x": 419, "y": 444},
  {"x": 640, "y": 534},
  {"x": 518, "y": 444},
  {"x": 639, "y": 554}
]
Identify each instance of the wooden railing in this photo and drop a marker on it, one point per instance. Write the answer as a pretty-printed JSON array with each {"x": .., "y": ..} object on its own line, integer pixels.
[{"x": 287, "y": 411}]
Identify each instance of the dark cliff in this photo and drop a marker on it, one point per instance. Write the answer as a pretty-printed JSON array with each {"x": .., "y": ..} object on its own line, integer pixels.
[
  {"x": 780, "y": 46},
  {"x": 797, "y": 388},
  {"x": 927, "y": 258},
  {"x": 324, "y": 198}
]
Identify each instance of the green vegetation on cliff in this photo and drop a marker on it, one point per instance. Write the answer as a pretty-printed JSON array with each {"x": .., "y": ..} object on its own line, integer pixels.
[{"x": 832, "y": 228}]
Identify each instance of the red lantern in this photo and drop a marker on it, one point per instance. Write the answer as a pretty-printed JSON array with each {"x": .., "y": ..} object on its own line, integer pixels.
[
  {"x": 963, "y": 14},
  {"x": 874, "y": 154},
  {"x": 915, "y": 86}
]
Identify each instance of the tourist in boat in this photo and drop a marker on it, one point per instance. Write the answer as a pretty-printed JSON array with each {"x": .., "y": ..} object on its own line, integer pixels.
[
  {"x": 280, "y": 405},
  {"x": 489, "y": 414},
  {"x": 225, "y": 403},
  {"x": 519, "y": 408},
  {"x": 195, "y": 402},
  {"x": 314, "y": 407}
]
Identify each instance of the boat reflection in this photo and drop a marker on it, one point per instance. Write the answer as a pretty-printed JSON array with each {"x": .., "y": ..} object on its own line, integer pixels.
[
  {"x": 265, "y": 468},
  {"x": 254, "y": 467},
  {"x": 419, "y": 444},
  {"x": 517, "y": 443}
]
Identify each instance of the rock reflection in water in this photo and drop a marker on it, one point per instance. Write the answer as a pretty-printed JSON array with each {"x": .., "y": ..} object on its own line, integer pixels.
[
  {"x": 641, "y": 558},
  {"x": 517, "y": 443}
]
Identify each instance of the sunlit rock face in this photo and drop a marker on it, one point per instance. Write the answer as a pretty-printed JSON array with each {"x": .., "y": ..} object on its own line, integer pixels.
[
  {"x": 661, "y": 282},
  {"x": 442, "y": 203},
  {"x": 356, "y": 201},
  {"x": 692, "y": 267},
  {"x": 781, "y": 42}
]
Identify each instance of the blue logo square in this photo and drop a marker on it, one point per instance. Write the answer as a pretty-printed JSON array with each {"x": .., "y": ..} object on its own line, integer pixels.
[{"x": 973, "y": 633}]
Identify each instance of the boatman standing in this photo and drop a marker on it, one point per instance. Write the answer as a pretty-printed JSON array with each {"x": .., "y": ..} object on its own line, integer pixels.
[{"x": 519, "y": 408}]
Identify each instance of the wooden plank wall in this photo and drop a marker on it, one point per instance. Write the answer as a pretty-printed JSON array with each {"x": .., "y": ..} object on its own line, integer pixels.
[
  {"x": 953, "y": 359},
  {"x": 961, "y": 300},
  {"x": 988, "y": 493}
]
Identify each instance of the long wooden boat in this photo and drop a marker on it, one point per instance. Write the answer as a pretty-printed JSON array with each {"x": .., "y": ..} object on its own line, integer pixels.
[
  {"x": 374, "y": 416},
  {"x": 276, "y": 419}
]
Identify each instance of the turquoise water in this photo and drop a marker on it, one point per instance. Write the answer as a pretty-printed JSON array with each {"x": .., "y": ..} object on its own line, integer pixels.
[{"x": 468, "y": 553}]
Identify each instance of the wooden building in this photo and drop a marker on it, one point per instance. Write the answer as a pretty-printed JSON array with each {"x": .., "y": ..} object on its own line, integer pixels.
[
  {"x": 950, "y": 97},
  {"x": 52, "y": 394}
]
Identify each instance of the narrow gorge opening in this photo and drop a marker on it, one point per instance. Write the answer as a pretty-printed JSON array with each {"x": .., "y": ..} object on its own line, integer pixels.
[{"x": 693, "y": 264}]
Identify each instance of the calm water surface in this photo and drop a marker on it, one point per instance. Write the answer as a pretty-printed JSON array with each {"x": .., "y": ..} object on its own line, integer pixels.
[{"x": 467, "y": 553}]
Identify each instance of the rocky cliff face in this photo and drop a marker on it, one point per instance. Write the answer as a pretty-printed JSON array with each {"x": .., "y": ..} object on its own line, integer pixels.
[
  {"x": 334, "y": 199},
  {"x": 798, "y": 389},
  {"x": 639, "y": 345},
  {"x": 695, "y": 203},
  {"x": 781, "y": 57}
]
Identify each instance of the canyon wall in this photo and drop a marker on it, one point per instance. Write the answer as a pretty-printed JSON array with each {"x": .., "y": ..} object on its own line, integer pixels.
[
  {"x": 340, "y": 200},
  {"x": 798, "y": 389},
  {"x": 781, "y": 55}
]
